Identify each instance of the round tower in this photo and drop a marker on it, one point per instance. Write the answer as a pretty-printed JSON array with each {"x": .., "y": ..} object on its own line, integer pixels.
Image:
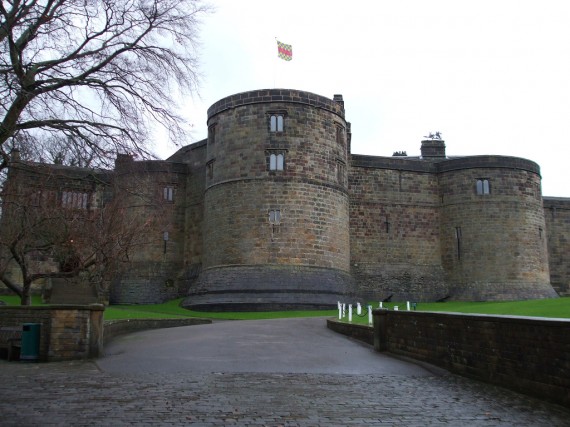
[
  {"x": 493, "y": 229},
  {"x": 276, "y": 205}
]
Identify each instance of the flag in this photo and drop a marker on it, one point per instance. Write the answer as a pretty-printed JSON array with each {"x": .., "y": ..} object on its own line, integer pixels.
[{"x": 284, "y": 51}]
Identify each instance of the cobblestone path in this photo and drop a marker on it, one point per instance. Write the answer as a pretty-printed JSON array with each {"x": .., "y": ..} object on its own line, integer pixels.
[{"x": 79, "y": 394}]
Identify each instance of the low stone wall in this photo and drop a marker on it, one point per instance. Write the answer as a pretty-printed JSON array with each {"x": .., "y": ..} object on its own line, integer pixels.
[
  {"x": 67, "y": 332},
  {"x": 358, "y": 332},
  {"x": 527, "y": 354},
  {"x": 114, "y": 328}
]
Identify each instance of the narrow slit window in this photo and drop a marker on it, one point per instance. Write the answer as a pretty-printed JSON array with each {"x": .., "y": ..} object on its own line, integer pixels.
[
  {"x": 275, "y": 216},
  {"x": 458, "y": 241},
  {"x": 340, "y": 172},
  {"x": 212, "y": 134},
  {"x": 210, "y": 169}
]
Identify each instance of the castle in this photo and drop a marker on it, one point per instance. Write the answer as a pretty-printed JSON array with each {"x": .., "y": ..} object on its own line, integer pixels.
[{"x": 273, "y": 210}]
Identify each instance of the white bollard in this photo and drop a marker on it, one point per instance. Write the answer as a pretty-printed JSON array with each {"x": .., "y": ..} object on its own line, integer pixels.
[
  {"x": 370, "y": 315},
  {"x": 343, "y": 310},
  {"x": 349, "y": 313},
  {"x": 358, "y": 309},
  {"x": 339, "y": 311},
  {"x": 408, "y": 305},
  {"x": 380, "y": 305},
  {"x": 396, "y": 307}
]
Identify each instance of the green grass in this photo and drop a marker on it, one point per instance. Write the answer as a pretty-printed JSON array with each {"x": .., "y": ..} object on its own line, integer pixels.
[
  {"x": 172, "y": 309},
  {"x": 555, "y": 307},
  {"x": 15, "y": 300}
]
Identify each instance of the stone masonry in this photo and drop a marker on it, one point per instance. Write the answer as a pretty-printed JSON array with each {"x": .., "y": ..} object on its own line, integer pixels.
[{"x": 273, "y": 210}]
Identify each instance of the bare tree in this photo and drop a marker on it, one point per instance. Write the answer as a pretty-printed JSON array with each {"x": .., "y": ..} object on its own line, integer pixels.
[
  {"x": 97, "y": 72},
  {"x": 51, "y": 230}
]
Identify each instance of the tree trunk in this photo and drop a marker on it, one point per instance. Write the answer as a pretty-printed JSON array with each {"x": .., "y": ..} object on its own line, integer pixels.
[{"x": 25, "y": 297}]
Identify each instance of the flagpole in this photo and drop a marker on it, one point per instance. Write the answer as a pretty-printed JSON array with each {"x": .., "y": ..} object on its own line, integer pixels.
[{"x": 276, "y": 57}]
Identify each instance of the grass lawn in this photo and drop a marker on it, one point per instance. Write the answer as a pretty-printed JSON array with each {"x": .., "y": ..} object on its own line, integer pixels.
[
  {"x": 172, "y": 309},
  {"x": 558, "y": 307}
]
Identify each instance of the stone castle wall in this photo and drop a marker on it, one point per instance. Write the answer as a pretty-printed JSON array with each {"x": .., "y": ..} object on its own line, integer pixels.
[
  {"x": 557, "y": 216},
  {"x": 155, "y": 263},
  {"x": 394, "y": 229},
  {"x": 406, "y": 228}
]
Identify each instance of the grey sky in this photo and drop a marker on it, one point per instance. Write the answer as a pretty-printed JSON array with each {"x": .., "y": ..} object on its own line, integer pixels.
[{"x": 492, "y": 76}]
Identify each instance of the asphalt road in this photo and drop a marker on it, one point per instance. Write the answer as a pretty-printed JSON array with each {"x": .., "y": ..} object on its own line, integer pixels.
[{"x": 278, "y": 346}]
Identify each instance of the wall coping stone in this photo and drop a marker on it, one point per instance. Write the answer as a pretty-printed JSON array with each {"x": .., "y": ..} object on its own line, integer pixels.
[
  {"x": 90, "y": 307},
  {"x": 270, "y": 96}
]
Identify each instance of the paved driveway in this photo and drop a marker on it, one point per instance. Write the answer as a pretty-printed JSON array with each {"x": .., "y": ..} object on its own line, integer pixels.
[
  {"x": 279, "y": 346},
  {"x": 267, "y": 373}
]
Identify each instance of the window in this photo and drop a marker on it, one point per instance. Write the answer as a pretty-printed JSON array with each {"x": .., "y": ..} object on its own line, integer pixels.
[
  {"x": 276, "y": 161},
  {"x": 74, "y": 200},
  {"x": 44, "y": 198},
  {"x": 276, "y": 123},
  {"x": 483, "y": 187},
  {"x": 275, "y": 216},
  {"x": 458, "y": 241},
  {"x": 212, "y": 134},
  {"x": 168, "y": 193},
  {"x": 339, "y": 134},
  {"x": 210, "y": 169},
  {"x": 340, "y": 171}
]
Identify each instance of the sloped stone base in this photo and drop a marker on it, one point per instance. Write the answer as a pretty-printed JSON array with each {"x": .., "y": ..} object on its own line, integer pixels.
[
  {"x": 267, "y": 288},
  {"x": 504, "y": 291}
]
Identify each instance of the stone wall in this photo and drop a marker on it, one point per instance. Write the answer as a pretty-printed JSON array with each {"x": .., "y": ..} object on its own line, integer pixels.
[
  {"x": 267, "y": 288},
  {"x": 529, "y": 355},
  {"x": 493, "y": 245},
  {"x": 394, "y": 230},
  {"x": 67, "y": 332},
  {"x": 362, "y": 333},
  {"x": 115, "y": 328},
  {"x": 157, "y": 260},
  {"x": 244, "y": 192},
  {"x": 557, "y": 215}
]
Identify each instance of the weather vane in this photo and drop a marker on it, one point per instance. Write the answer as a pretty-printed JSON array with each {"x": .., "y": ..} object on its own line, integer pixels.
[{"x": 436, "y": 135}]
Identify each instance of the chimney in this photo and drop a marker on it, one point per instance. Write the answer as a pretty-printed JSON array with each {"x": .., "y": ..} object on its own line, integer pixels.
[
  {"x": 433, "y": 148},
  {"x": 338, "y": 100},
  {"x": 123, "y": 160},
  {"x": 15, "y": 155}
]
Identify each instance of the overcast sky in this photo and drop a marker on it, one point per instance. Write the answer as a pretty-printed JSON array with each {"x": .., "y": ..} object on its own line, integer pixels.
[{"x": 492, "y": 76}]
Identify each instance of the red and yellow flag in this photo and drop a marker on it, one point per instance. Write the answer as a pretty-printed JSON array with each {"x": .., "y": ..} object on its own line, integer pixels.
[{"x": 284, "y": 51}]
